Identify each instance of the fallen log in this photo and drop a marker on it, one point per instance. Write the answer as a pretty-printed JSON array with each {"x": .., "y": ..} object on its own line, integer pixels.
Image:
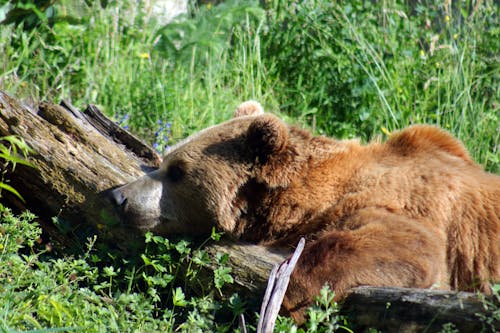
[
  {"x": 79, "y": 156},
  {"x": 420, "y": 310},
  {"x": 76, "y": 159}
]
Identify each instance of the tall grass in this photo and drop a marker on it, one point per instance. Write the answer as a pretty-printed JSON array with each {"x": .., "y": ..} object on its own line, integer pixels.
[
  {"x": 449, "y": 84},
  {"x": 363, "y": 68},
  {"x": 140, "y": 72},
  {"x": 344, "y": 69}
]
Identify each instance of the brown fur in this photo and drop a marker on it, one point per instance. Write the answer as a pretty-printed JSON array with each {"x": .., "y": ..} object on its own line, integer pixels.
[{"x": 414, "y": 211}]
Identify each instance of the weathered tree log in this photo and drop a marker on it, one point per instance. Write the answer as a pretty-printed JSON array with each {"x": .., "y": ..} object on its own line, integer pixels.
[
  {"x": 75, "y": 161},
  {"x": 78, "y": 156},
  {"x": 420, "y": 310}
]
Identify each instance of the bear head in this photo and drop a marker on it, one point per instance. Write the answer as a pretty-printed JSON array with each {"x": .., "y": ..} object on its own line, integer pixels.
[{"x": 199, "y": 183}]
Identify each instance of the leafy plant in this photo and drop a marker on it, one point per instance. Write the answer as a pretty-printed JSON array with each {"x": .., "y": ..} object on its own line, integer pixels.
[
  {"x": 314, "y": 75},
  {"x": 41, "y": 291},
  {"x": 322, "y": 316},
  {"x": 491, "y": 322},
  {"x": 27, "y": 13},
  {"x": 13, "y": 151},
  {"x": 209, "y": 30},
  {"x": 449, "y": 328}
]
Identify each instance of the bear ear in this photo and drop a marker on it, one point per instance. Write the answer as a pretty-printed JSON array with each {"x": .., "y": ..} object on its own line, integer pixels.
[
  {"x": 248, "y": 108},
  {"x": 267, "y": 135}
]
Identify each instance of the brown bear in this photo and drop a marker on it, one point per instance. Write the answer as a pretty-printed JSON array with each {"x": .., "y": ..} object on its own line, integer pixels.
[{"x": 414, "y": 211}]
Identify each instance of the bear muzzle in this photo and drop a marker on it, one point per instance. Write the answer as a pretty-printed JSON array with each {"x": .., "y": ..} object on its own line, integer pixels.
[
  {"x": 138, "y": 203},
  {"x": 118, "y": 198},
  {"x": 129, "y": 213}
]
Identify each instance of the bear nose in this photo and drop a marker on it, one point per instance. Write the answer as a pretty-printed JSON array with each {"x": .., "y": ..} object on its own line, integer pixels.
[{"x": 118, "y": 198}]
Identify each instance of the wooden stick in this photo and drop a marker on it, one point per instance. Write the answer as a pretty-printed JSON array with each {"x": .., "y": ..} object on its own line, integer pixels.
[
  {"x": 275, "y": 291},
  {"x": 242, "y": 324}
]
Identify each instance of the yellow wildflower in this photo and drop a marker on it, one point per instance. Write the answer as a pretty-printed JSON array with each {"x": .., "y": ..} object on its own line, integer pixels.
[
  {"x": 447, "y": 18},
  {"x": 144, "y": 55}
]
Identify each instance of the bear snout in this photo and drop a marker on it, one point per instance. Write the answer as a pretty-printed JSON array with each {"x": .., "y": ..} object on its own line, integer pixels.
[
  {"x": 118, "y": 198},
  {"x": 137, "y": 204}
]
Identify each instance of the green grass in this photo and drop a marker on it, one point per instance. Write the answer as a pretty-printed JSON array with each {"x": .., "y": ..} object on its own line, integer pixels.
[
  {"x": 359, "y": 68},
  {"x": 138, "y": 72},
  {"x": 355, "y": 69},
  {"x": 344, "y": 70},
  {"x": 85, "y": 293}
]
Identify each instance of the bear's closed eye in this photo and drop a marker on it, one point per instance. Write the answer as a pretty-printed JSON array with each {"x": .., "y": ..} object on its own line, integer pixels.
[{"x": 175, "y": 173}]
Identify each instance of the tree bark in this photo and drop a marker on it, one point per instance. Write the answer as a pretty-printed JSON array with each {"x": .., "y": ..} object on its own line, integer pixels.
[
  {"x": 79, "y": 156},
  {"x": 420, "y": 310}
]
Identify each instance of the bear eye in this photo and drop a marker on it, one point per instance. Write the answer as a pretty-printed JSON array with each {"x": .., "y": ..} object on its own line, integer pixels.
[{"x": 175, "y": 173}]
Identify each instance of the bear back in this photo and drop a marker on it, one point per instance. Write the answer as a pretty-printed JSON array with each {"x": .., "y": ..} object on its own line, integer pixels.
[{"x": 420, "y": 138}]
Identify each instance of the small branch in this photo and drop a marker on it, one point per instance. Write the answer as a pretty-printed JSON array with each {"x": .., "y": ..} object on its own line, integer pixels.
[
  {"x": 275, "y": 291},
  {"x": 242, "y": 324}
]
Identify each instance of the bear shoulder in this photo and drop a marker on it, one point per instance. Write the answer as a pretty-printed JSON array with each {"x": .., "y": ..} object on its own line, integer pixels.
[{"x": 419, "y": 138}]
